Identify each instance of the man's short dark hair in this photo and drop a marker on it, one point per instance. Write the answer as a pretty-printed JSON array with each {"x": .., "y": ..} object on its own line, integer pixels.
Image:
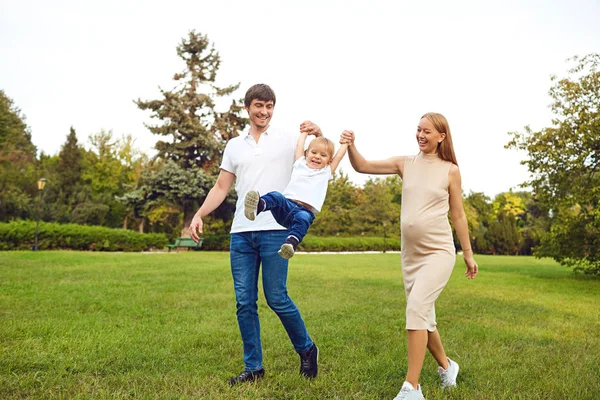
[{"x": 260, "y": 92}]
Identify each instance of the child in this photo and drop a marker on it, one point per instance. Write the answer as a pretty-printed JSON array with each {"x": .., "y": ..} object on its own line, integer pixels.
[{"x": 295, "y": 208}]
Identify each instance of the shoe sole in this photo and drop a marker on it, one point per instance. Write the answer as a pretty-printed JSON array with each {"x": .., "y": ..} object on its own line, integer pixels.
[
  {"x": 251, "y": 204},
  {"x": 316, "y": 373},
  {"x": 286, "y": 251}
]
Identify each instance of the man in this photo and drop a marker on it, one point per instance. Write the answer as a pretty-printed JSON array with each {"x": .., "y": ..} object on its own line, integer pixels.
[{"x": 262, "y": 160}]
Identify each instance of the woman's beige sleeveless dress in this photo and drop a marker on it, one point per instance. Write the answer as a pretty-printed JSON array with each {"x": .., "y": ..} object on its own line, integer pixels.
[{"x": 428, "y": 253}]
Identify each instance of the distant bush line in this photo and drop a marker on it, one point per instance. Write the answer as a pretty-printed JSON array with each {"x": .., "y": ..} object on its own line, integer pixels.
[
  {"x": 20, "y": 235},
  {"x": 318, "y": 244}
]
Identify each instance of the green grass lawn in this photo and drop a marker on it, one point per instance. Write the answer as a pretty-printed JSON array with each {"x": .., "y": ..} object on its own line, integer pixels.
[{"x": 162, "y": 326}]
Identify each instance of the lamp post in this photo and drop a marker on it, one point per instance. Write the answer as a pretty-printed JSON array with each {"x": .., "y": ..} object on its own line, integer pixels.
[
  {"x": 40, "y": 184},
  {"x": 384, "y": 234}
]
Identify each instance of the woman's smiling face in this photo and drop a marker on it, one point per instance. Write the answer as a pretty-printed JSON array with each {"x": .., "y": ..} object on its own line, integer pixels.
[{"x": 428, "y": 138}]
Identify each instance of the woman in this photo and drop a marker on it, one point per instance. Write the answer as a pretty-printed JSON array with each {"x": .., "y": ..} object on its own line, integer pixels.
[{"x": 431, "y": 185}]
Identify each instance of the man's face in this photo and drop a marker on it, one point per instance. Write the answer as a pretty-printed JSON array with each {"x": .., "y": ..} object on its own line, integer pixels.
[{"x": 260, "y": 113}]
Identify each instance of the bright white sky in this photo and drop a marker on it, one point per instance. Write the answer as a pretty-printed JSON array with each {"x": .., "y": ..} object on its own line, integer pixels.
[{"x": 371, "y": 66}]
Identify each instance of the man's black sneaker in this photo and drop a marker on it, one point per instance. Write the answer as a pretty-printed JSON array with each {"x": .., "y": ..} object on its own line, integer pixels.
[
  {"x": 309, "y": 362},
  {"x": 247, "y": 376}
]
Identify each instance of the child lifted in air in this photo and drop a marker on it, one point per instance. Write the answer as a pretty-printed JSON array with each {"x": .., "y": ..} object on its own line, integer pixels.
[{"x": 295, "y": 208}]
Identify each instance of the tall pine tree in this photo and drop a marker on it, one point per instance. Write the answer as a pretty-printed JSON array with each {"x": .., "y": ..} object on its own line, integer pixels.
[
  {"x": 196, "y": 132},
  {"x": 69, "y": 169}
]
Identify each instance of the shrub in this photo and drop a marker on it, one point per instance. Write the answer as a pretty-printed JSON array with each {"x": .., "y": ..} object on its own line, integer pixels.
[
  {"x": 356, "y": 243},
  {"x": 216, "y": 242},
  {"x": 315, "y": 243},
  {"x": 20, "y": 235}
]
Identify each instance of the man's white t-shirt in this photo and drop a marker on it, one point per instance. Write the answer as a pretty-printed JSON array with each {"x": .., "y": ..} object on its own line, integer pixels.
[
  {"x": 265, "y": 166},
  {"x": 308, "y": 185}
]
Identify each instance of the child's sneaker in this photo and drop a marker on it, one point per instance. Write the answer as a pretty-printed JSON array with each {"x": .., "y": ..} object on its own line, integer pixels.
[
  {"x": 251, "y": 205},
  {"x": 288, "y": 249},
  {"x": 408, "y": 392},
  {"x": 449, "y": 375}
]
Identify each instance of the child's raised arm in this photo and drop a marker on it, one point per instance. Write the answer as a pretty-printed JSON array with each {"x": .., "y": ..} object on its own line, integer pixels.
[
  {"x": 300, "y": 145},
  {"x": 339, "y": 155}
]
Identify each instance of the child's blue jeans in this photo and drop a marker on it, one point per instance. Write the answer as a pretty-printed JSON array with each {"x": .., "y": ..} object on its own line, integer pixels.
[{"x": 289, "y": 214}]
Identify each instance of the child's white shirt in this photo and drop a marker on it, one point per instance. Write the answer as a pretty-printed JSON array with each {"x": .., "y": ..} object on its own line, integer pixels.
[{"x": 308, "y": 185}]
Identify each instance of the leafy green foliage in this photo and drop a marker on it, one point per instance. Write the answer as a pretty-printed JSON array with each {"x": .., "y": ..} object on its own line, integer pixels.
[
  {"x": 69, "y": 170},
  {"x": 20, "y": 235},
  {"x": 336, "y": 215},
  {"x": 352, "y": 211},
  {"x": 356, "y": 243},
  {"x": 312, "y": 243},
  {"x": 564, "y": 164},
  {"x": 168, "y": 185},
  {"x": 17, "y": 163}
]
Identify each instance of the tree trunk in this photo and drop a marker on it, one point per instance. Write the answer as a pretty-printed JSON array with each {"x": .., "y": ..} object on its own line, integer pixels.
[
  {"x": 189, "y": 210},
  {"x": 141, "y": 227}
]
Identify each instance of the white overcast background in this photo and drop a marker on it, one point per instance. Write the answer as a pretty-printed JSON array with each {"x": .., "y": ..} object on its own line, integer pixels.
[{"x": 371, "y": 66}]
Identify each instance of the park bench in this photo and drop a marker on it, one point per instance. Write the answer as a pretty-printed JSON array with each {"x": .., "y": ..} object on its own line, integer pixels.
[{"x": 182, "y": 242}]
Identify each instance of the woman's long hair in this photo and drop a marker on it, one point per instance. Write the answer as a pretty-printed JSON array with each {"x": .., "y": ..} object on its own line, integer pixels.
[{"x": 445, "y": 149}]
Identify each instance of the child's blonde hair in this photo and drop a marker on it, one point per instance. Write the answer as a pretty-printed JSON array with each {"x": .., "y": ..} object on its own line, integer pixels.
[{"x": 329, "y": 145}]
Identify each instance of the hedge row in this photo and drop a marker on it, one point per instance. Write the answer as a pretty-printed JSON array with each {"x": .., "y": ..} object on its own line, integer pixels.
[
  {"x": 357, "y": 243},
  {"x": 317, "y": 244},
  {"x": 20, "y": 235}
]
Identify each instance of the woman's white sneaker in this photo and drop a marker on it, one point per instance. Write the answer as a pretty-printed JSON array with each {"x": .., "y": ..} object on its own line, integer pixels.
[
  {"x": 408, "y": 392},
  {"x": 449, "y": 375}
]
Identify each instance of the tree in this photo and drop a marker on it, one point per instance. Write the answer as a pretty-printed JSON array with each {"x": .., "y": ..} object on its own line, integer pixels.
[
  {"x": 17, "y": 162},
  {"x": 197, "y": 132},
  {"x": 509, "y": 203},
  {"x": 165, "y": 185},
  {"x": 480, "y": 216},
  {"x": 111, "y": 166},
  {"x": 563, "y": 161},
  {"x": 504, "y": 236},
  {"x": 378, "y": 208},
  {"x": 535, "y": 223},
  {"x": 336, "y": 216},
  {"x": 69, "y": 169}
]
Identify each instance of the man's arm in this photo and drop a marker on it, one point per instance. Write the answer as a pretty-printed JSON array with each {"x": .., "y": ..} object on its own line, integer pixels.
[
  {"x": 339, "y": 155},
  {"x": 311, "y": 128},
  {"x": 213, "y": 200},
  {"x": 300, "y": 145}
]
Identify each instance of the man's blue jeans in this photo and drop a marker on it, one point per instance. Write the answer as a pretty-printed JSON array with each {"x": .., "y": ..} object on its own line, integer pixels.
[
  {"x": 290, "y": 214},
  {"x": 247, "y": 251}
]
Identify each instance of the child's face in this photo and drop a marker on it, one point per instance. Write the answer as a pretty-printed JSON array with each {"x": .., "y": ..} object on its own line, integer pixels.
[
  {"x": 428, "y": 137},
  {"x": 317, "y": 156}
]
